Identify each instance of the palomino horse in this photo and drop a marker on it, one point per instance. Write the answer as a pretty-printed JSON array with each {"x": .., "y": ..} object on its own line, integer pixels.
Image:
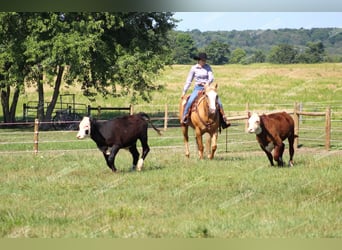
[{"x": 204, "y": 118}]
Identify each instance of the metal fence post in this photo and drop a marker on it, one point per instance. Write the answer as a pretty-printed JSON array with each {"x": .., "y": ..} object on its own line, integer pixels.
[{"x": 35, "y": 137}]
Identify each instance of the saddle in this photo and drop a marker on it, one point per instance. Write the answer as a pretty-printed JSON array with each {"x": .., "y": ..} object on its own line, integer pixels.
[{"x": 194, "y": 104}]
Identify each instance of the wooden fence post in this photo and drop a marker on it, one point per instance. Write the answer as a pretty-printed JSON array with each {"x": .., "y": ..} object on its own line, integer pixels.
[
  {"x": 327, "y": 128},
  {"x": 296, "y": 124},
  {"x": 35, "y": 136},
  {"x": 131, "y": 109},
  {"x": 226, "y": 140},
  {"x": 247, "y": 112},
  {"x": 98, "y": 112},
  {"x": 166, "y": 117}
]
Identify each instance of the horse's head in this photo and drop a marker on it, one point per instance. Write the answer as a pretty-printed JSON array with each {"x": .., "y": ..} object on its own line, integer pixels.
[{"x": 211, "y": 93}]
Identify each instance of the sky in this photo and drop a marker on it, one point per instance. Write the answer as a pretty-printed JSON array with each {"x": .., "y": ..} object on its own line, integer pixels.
[{"x": 228, "y": 21}]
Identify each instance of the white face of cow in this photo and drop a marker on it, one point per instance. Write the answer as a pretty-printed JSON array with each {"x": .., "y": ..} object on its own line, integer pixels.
[
  {"x": 254, "y": 124},
  {"x": 84, "y": 128}
]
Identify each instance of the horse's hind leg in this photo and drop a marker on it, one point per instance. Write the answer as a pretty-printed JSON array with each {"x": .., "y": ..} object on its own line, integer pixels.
[{"x": 186, "y": 140}]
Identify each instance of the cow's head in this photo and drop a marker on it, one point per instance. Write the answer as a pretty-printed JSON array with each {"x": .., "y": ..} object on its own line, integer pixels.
[
  {"x": 254, "y": 124},
  {"x": 84, "y": 128}
]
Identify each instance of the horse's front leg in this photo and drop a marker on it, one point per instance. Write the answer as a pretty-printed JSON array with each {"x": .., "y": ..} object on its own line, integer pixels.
[
  {"x": 208, "y": 144},
  {"x": 199, "y": 143},
  {"x": 212, "y": 145},
  {"x": 186, "y": 140}
]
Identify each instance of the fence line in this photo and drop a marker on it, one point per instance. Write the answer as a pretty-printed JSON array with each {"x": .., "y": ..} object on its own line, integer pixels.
[
  {"x": 297, "y": 112},
  {"x": 99, "y": 109}
]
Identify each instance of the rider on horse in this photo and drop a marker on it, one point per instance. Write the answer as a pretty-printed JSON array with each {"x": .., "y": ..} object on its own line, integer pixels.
[{"x": 203, "y": 75}]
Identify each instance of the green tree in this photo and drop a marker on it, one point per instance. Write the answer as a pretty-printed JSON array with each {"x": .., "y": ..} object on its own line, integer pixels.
[
  {"x": 12, "y": 62},
  {"x": 314, "y": 53},
  {"x": 283, "y": 54},
  {"x": 183, "y": 48},
  {"x": 218, "y": 52},
  {"x": 237, "y": 56},
  {"x": 258, "y": 57},
  {"x": 99, "y": 50}
]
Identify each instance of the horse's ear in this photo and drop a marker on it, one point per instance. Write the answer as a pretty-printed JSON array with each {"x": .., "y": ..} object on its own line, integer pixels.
[
  {"x": 249, "y": 114},
  {"x": 216, "y": 85}
]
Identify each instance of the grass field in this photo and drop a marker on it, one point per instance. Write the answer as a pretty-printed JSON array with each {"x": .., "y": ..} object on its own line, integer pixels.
[
  {"x": 236, "y": 195},
  {"x": 66, "y": 191}
]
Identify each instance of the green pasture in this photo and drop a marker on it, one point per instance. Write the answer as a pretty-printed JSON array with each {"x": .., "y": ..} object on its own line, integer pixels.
[
  {"x": 67, "y": 191},
  {"x": 72, "y": 194}
]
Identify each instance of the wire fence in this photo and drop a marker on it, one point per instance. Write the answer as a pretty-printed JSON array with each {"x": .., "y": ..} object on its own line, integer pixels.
[{"x": 23, "y": 138}]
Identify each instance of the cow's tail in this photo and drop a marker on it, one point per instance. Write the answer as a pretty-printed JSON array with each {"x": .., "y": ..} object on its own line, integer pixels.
[{"x": 147, "y": 118}]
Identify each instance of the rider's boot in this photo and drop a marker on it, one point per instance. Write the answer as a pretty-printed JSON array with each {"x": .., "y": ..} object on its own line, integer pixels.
[{"x": 223, "y": 120}]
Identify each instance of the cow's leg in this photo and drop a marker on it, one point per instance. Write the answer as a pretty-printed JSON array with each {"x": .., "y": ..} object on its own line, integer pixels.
[
  {"x": 268, "y": 154},
  {"x": 106, "y": 158},
  {"x": 278, "y": 154},
  {"x": 111, "y": 157},
  {"x": 291, "y": 149},
  {"x": 135, "y": 155},
  {"x": 186, "y": 140},
  {"x": 145, "y": 150},
  {"x": 281, "y": 152},
  {"x": 199, "y": 141}
]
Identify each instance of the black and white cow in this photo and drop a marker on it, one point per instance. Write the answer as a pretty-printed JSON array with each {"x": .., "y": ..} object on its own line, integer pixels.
[{"x": 122, "y": 132}]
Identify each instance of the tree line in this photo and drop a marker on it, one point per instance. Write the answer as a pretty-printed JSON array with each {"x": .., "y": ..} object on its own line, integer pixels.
[{"x": 280, "y": 46}]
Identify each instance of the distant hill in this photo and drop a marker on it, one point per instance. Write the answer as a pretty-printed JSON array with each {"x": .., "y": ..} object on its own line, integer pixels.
[{"x": 252, "y": 40}]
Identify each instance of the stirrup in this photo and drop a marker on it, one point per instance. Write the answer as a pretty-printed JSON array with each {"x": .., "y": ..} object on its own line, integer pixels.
[{"x": 185, "y": 121}]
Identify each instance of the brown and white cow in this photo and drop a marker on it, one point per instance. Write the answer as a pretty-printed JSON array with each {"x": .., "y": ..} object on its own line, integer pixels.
[{"x": 271, "y": 130}]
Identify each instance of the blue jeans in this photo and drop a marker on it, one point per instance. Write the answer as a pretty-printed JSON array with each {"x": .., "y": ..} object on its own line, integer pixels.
[{"x": 192, "y": 97}]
